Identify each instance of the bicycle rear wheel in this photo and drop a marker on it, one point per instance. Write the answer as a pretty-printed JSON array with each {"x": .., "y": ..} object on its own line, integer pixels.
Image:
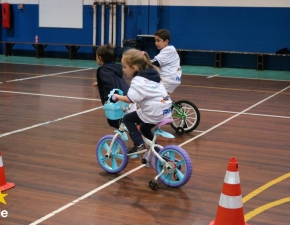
[
  {"x": 185, "y": 115},
  {"x": 179, "y": 161}
]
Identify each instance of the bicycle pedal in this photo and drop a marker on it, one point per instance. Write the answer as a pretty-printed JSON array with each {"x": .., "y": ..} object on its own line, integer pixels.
[{"x": 134, "y": 156}]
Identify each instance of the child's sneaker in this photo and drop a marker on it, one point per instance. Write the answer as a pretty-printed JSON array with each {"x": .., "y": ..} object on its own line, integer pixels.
[{"x": 137, "y": 149}]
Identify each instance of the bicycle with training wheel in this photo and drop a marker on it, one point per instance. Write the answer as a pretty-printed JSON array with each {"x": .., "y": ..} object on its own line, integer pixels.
[
  {"x": 185, "y": 115},
  {"x": 172, "y": 163}
]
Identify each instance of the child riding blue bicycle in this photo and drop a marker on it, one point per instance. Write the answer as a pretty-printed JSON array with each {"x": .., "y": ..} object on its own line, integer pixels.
[
  {"x": 172, "y": 163},
  {"x": 147, "y": 90}
]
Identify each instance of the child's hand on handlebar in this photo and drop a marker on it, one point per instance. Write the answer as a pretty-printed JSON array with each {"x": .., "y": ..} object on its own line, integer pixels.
[{"x": 114, "y": 98}]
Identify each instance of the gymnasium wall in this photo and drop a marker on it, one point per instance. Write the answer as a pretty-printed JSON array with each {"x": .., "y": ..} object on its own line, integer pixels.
[
  {"x": 1, "y": 26},
  {"x": 229, "y": 25}
]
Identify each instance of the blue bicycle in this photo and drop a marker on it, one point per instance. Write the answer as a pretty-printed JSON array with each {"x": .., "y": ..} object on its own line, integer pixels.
[{"x": 172, "y": 163}]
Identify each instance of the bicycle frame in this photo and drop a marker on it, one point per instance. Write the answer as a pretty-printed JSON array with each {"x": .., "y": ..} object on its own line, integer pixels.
[
  {"x": 121, "y": 132},
  {"x": 180, "y": 113}
]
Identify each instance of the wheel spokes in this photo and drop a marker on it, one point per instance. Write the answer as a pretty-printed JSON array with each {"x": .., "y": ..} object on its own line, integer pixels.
[
  {"x": 179, "y": 174},
  {"x": 105, "y": 146},
  {"x": 176, "y": 118},
  {"x": 177, "y": 111},
  {"x": 187, "y": 122},
  {"x": 179, "y": 163},
  {"x": 189, "y": 114},
  {"x": 171, "y": 156},
  {"x": 114, "y": 163},
  {"x": 118, "y": 156},
  {"x": 104, "y": 159},
  {"x": 168, "y": 176}
]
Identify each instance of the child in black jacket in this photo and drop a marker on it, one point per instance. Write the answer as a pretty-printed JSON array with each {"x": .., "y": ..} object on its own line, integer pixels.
[{"x": 109, "y": 76}]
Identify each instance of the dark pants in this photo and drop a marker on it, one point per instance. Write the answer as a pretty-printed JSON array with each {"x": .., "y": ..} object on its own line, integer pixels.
[{"x": 130, "y": 120}]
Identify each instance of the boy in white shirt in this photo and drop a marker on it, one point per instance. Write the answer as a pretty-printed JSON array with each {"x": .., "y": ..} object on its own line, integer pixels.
[
  {"x": 167, "y": 60},
  {"x": 147, "y": 90}
]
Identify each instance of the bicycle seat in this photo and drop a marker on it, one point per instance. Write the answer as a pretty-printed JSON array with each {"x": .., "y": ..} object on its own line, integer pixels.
[{"x": 164, "y": 122}]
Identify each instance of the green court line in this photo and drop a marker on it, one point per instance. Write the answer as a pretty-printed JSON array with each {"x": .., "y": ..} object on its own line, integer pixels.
[{"x": 193, "y": 70}]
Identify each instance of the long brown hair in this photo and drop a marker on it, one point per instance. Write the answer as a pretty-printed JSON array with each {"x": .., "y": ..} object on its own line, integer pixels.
[{"x": 138, "y": 58}]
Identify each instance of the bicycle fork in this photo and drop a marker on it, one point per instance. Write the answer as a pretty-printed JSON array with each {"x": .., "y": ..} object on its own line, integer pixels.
[
  {"x": 168, "y": 166},
  {"x": 121, "y": 132}
]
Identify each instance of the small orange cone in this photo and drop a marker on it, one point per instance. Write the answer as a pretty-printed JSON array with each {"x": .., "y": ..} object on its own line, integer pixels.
[
  {"x": 230, "y": 209},
  {"x": 3, "y": 184}
]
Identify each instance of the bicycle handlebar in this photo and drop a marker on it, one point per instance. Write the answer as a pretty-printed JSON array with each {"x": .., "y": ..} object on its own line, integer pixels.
[{"x": 121, "y": 105}]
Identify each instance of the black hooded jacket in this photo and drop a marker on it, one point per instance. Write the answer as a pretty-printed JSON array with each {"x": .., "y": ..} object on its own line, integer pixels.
[
  {"x": 109, "y": 77},
  {"x": 150, "y": 74}
]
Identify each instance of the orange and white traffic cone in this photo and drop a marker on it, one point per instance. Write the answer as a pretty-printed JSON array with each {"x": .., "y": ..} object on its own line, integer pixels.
[
  {"x": 3, "y": 184},
  {"x": 230, "y": 209}
]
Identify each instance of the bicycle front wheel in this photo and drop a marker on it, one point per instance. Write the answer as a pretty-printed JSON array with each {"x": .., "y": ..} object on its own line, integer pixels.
[{"x": 117, "y": 160}]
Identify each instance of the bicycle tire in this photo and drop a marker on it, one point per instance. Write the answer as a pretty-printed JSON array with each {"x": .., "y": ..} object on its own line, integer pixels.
[
  {"x": 189, "y": 113},
  {"x": 182, "y": 163},
  {"x": 118, "y": 160}
]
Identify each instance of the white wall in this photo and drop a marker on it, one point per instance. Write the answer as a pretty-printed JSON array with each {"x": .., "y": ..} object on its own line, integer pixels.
[{"x": 61, "y": 13}]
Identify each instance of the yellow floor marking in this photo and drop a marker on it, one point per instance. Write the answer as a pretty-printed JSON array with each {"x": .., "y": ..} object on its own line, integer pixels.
[
  {"x": 260, "y": 209},
  {"x": 257, "y": 211},
  {"x": 264, "y": 187}
]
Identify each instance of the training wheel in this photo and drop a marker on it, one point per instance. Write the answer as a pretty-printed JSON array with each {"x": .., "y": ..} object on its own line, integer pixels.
[
  {"x": 143, "y": 161},
  {"x": 153, "y": 185},
  {"x": 180, "y": 131}
]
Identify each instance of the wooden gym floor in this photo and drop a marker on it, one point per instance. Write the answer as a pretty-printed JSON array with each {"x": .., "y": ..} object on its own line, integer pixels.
[{"x": 51, "y": 119}]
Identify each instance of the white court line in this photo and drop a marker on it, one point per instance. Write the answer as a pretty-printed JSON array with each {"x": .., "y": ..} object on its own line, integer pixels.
[
  {"x": 53, "y": 74},
  {"x": 213, "y": 76},
  {"x": 52, "y": 65},
  {"x": 86, "y": 195},
  {"x": 247, "y": 78},
  {"x": 48, "y": 122},
  {"x": 232, "y": 117},
  {"x": 55, "y": 96},
  {"x": 141, "y": 166},
  {"x": 198, "y": 131},
  {"x": 251, "y": 114},
  {"x": 92, "y": 99}
]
